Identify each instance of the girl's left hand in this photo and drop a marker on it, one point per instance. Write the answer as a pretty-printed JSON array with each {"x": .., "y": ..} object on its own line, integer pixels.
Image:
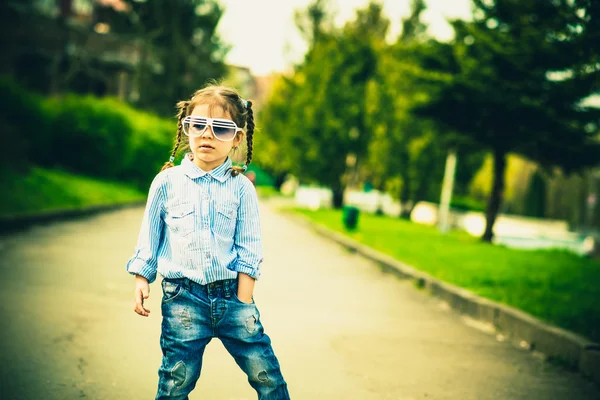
[
  {"x": 244, "y": 299},
  {"x": 245, "y": 288}
]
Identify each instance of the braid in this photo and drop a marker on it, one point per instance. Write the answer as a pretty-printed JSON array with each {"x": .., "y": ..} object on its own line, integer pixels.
[
  {"x": 181, "y": 114},
  {"x": 249, "y": 134}
]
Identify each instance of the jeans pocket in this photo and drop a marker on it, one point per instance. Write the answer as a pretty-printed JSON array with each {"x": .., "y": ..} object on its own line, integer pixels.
[
  {"x": 237, "y": 299},
  {"x": 171, "y": 290}
]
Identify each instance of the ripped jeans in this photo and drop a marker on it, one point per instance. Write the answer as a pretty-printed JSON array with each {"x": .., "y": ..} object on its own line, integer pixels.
[{"x": 192, "y": 315}]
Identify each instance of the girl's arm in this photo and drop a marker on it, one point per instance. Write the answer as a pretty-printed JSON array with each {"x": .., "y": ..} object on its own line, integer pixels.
[
  {"x": 247, "y": 242},
  {"x": 145, "y": 258},
  {"x": 245, "y": 287}
]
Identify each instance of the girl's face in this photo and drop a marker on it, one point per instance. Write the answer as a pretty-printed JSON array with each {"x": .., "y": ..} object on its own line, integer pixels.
[{"x": 210, "y": 152}]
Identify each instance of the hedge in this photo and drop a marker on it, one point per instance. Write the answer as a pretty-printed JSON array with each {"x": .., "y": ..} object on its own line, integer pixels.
[{"x": 99, "y": 137}]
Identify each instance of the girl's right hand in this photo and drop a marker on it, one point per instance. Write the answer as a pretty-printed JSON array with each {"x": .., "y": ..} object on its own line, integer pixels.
[{"x": 142, "y": 291}]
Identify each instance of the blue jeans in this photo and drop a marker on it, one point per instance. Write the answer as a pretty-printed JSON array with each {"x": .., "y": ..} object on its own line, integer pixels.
[{"x": 192, "y": 315}]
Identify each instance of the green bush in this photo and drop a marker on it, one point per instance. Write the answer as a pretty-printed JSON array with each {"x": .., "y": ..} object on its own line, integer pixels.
[
  {"x": 23, "y": 122},
  {"x": 149, "y": 147},
  {"x": 87, "y": 136},
  {"x": 263, "y": 178},
  {"x": 465, "y": 203},
  {"x": 107, "y": 138},
  {"x": 99, "y": 137}
]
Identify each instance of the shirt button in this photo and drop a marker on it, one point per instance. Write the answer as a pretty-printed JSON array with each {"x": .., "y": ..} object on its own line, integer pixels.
[{"x": 207, "y": 254}]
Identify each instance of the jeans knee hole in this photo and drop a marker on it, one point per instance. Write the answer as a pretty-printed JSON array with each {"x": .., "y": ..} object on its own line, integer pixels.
[
  {"x": 251, "y": 324},
  {"x": 185, "y": 318},
  {"x": 178, "y": 373},
  {"x": 262, "y": 376}
]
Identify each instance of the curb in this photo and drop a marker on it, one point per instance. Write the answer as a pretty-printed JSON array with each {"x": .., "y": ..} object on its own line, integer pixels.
[
  {"x": 12, "y": 223},
  {"x": 521, "y": 329}
]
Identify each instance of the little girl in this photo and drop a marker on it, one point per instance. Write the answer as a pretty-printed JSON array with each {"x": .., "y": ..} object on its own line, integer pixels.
[{"x": 201, "y": 232}]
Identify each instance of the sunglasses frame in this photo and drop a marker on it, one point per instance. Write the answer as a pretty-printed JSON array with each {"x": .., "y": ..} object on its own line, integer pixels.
[{"x": 212, "y": 122}]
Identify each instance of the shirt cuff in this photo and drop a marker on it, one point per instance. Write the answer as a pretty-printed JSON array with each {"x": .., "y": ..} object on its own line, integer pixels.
[
  {"x": 253, "y": 272},
  {"x": 137, "y": 266}
]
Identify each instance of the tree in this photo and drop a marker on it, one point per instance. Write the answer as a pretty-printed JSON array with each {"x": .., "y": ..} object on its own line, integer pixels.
[
  {"x": 535, "y": 200},
  {"x": 503, "y": 95},
  {"x": 272, "y": 150},
  {"x": 407, "y": 152},
  {"x": 276, "y": 146},
  {"x": 314, "y": 21},
  {"x": 180, "y": 49},
  {"x": 413, "y": 28},
  {"x": 401, "y": 145},
  {"x": 325, "y": 121}
]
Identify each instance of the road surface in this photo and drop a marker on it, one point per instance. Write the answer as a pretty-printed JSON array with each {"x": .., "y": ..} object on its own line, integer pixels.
[{"x": 342, "y": 329}]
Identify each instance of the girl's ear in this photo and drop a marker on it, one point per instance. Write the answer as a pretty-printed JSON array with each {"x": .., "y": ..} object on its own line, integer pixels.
[{"x": 239, "y": 137}]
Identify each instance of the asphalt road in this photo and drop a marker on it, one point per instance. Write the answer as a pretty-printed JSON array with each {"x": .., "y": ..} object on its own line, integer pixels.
[{"x": 342, "y": 329}]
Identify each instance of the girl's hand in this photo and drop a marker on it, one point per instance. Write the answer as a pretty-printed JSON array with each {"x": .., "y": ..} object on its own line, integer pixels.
[
  {"x": 245, "y": 288},
  {"x": 244, "y": 298},
  {"x": 142, "y": 291}
]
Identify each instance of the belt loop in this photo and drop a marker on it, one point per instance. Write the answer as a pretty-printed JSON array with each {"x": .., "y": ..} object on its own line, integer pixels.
[{"x": 227, "y": 289}]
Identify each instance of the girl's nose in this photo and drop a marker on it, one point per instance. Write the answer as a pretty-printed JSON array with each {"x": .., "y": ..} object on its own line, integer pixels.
[{"x": 207, "y": 132}]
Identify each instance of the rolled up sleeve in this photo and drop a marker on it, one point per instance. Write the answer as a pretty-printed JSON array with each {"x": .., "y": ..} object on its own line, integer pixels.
[
  {"x": 144, "y": 261},
  {"x": 248, "y": 244}
]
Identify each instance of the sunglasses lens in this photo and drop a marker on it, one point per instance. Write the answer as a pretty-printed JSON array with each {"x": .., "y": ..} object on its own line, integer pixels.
[
  {"x": 196, "y": 128},
  {"x": 223, "y": 133},
  {"x": 224, "y": 129}
]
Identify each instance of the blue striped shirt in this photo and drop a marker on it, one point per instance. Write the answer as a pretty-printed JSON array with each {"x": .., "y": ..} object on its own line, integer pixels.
[{"x": 199, "y": 225}]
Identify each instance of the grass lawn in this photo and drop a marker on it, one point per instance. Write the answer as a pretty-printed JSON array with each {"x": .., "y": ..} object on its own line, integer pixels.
[
  {"x": 553, "y": 285},
  {"x": 266, "y": 192},
  {"x": 42, "y": 190}
]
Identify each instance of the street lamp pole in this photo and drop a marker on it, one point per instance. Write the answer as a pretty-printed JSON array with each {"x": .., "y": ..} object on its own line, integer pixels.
[{"x": 447, "y": 187}]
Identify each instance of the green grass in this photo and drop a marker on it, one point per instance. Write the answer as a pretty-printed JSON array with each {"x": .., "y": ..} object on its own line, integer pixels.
[
  {"x": 553, "y": 285},
  {"x": 43, "y": 190},
  {"x": 266, "y": 192}
]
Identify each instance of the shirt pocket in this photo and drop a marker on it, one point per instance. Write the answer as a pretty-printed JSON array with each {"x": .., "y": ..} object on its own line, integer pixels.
[
  {"x": 225, "y": 219},
  {"x": 180, "y": 219}
]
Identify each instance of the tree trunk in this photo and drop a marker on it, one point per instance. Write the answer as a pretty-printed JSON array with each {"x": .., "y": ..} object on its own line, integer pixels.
[
  {"x": 406, "y": 209},
  {"x": 65, "y": 8},
  {"x": 495, "y": 199},
  {"x": 338, "y": 197},
  {"x": 60, "y": 52},
  {"x": 406, "y": 205},
  {"x": 279, "y": 179}
]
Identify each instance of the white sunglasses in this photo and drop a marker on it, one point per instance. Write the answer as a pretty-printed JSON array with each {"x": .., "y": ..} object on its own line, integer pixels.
[{"x": 222, "y": 129}]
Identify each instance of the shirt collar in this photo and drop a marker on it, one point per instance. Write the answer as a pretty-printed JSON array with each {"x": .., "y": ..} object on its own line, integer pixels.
[{"x": 221, "y": 173}]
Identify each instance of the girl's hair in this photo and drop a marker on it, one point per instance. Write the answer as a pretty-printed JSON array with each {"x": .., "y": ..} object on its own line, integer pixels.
[{"x": 227, "y": 99}]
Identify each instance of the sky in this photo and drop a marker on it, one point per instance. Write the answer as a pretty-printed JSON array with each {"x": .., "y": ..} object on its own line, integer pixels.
[{"x": 263, "y": 36}]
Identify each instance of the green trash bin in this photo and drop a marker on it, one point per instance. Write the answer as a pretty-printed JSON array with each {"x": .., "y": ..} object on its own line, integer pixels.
[{"x": 350, "y": 217}]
